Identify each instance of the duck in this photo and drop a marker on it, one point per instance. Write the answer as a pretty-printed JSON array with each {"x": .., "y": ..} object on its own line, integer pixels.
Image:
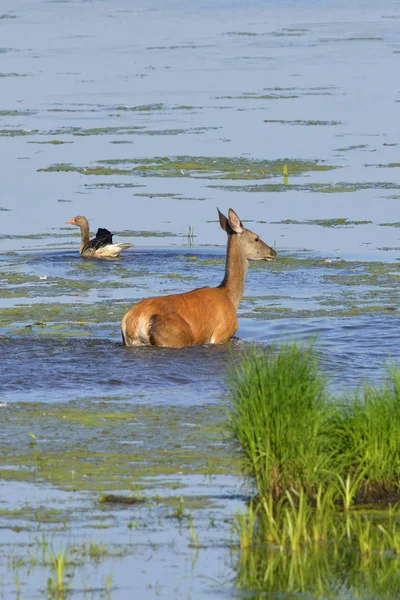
[{"x": 101, "y": 246}]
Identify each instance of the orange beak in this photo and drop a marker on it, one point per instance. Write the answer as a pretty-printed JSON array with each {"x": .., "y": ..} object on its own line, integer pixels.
[{"x": 71, "y": 221}]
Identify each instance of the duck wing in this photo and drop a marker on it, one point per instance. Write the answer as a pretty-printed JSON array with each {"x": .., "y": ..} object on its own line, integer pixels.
[{"x": 103, "y": 237}]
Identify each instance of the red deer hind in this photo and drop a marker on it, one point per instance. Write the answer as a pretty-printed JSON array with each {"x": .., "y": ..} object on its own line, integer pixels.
[{"x": 205, "y": 315}]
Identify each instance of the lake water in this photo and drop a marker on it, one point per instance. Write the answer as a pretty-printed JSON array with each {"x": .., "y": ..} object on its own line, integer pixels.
[{"x": 146, "y": 117}]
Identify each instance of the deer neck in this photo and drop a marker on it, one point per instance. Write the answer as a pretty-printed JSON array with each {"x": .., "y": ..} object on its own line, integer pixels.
[
  {"x": 235, "y": 270},
  {"x": 84, "y": 235}
]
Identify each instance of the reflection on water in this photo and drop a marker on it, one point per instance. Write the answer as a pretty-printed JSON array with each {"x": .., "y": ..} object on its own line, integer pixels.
[{"x": 337, "y": 573}]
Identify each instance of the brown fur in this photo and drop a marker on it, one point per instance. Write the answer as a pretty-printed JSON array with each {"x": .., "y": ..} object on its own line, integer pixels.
[{"x": 204, "y": 315}]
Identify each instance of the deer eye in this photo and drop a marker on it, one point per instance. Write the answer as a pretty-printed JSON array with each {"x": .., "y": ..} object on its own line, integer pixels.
[{"x": 257, "y": 239}]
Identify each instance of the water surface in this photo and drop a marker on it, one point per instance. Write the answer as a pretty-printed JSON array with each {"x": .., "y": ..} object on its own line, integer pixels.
[{"x": 145, "y": 119}]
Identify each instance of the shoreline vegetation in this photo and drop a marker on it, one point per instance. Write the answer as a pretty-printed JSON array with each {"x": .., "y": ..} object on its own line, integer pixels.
[
  {"x": 326, "y": 471},
  {"x": 294, "y": 437}
]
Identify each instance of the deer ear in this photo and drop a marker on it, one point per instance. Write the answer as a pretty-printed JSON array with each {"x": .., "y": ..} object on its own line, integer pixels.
[
  {"x": 223, "y": 221},
  {"x": 235, "y": 222}
]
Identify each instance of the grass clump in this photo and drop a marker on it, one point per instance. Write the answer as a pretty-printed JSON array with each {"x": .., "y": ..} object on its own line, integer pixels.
[
  {"x": 279, "y": 418},
  {"x": 57, "y": 586},
  {"x": 294, "y": 438},
  {"x": 367, "y": 437},
  {"x": 314, "y": 462}
]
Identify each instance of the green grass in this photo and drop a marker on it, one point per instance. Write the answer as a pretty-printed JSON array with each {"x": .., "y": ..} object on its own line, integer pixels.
[
  {"x": 57, "y": 586},
  {"x": 294, "y": 438},
  {"x": 367, "y": 435},
  {"x": 279, "y": 418}
]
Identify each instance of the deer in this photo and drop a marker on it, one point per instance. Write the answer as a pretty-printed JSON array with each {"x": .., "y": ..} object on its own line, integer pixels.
[{"x": 205, "y": 315}]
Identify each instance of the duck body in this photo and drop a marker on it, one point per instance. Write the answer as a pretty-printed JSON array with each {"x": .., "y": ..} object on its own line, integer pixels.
[{"x": 101, "y": 246}]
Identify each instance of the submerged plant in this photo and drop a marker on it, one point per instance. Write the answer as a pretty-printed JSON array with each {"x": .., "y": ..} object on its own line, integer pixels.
[
  {"x": 57, "y": 586},
  {"x": 285, "y": 174},
  {"x": 18, "y": 585},
  {"x": 108, "y": 583},
  {"x": 179, "y": 513},
  {"x": 194, "y": 540},
  {"x": 244, "y": 525}
]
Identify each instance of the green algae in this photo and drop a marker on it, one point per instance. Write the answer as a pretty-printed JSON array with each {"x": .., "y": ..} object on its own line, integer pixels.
[
  {"x": 186, "y": 198},
  {"x": 38, "y": 236},
  {"x": 35, "y": 514},
  {"x": 350, "y": 39},
  {"x": 388, "y": 166},
  {"x": 91, "y": 447},
  {"x": 189, "y": 166},
  {"x": 17, "y": 132},
  {"x": 211, "y": 261},
  {"x": 369, "y": 274},
  {"x": 355, "y": 310},
  {"x": 13, "y": 75},
  {"x": 67, "y": 168},
  {"x": 345, "y": 289},
  {"x": 147, "y": 234},
  {"x": 179, "y": 276},
  {"x": 319, "y": 90},
  {"x": 158, "y": 107},
  {"x": 17, "y": 113},
  {"x": 157, "y": 195},
  {"x": 62, "y": 320},
  {"x": 242, "y": 33},
  {"x": 351, "y": 288},
  {"x": 350, "y": 148},
  {"x": 189, "y": 258},
  {"x": 107, "y": 186},
  {"x": 141, "y": 108},
  {"x": 52, "y": 142},
  {"x": 287, "y": 33},
  {"x": 116, "y": 130},
  {"x": 310, "y": 122},
  {"x": 323, "y": 222},
  {"x": 29, "y": 286},
  {"x": 324, "y": 188},
  {"x": 254, "y": 96}
]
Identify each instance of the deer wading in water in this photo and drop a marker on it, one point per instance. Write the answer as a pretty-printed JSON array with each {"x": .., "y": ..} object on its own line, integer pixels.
[{"x": 205, "y": 315}]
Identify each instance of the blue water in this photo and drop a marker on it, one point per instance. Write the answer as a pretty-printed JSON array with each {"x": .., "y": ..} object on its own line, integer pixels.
[{"x": 120, "y": 80}]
